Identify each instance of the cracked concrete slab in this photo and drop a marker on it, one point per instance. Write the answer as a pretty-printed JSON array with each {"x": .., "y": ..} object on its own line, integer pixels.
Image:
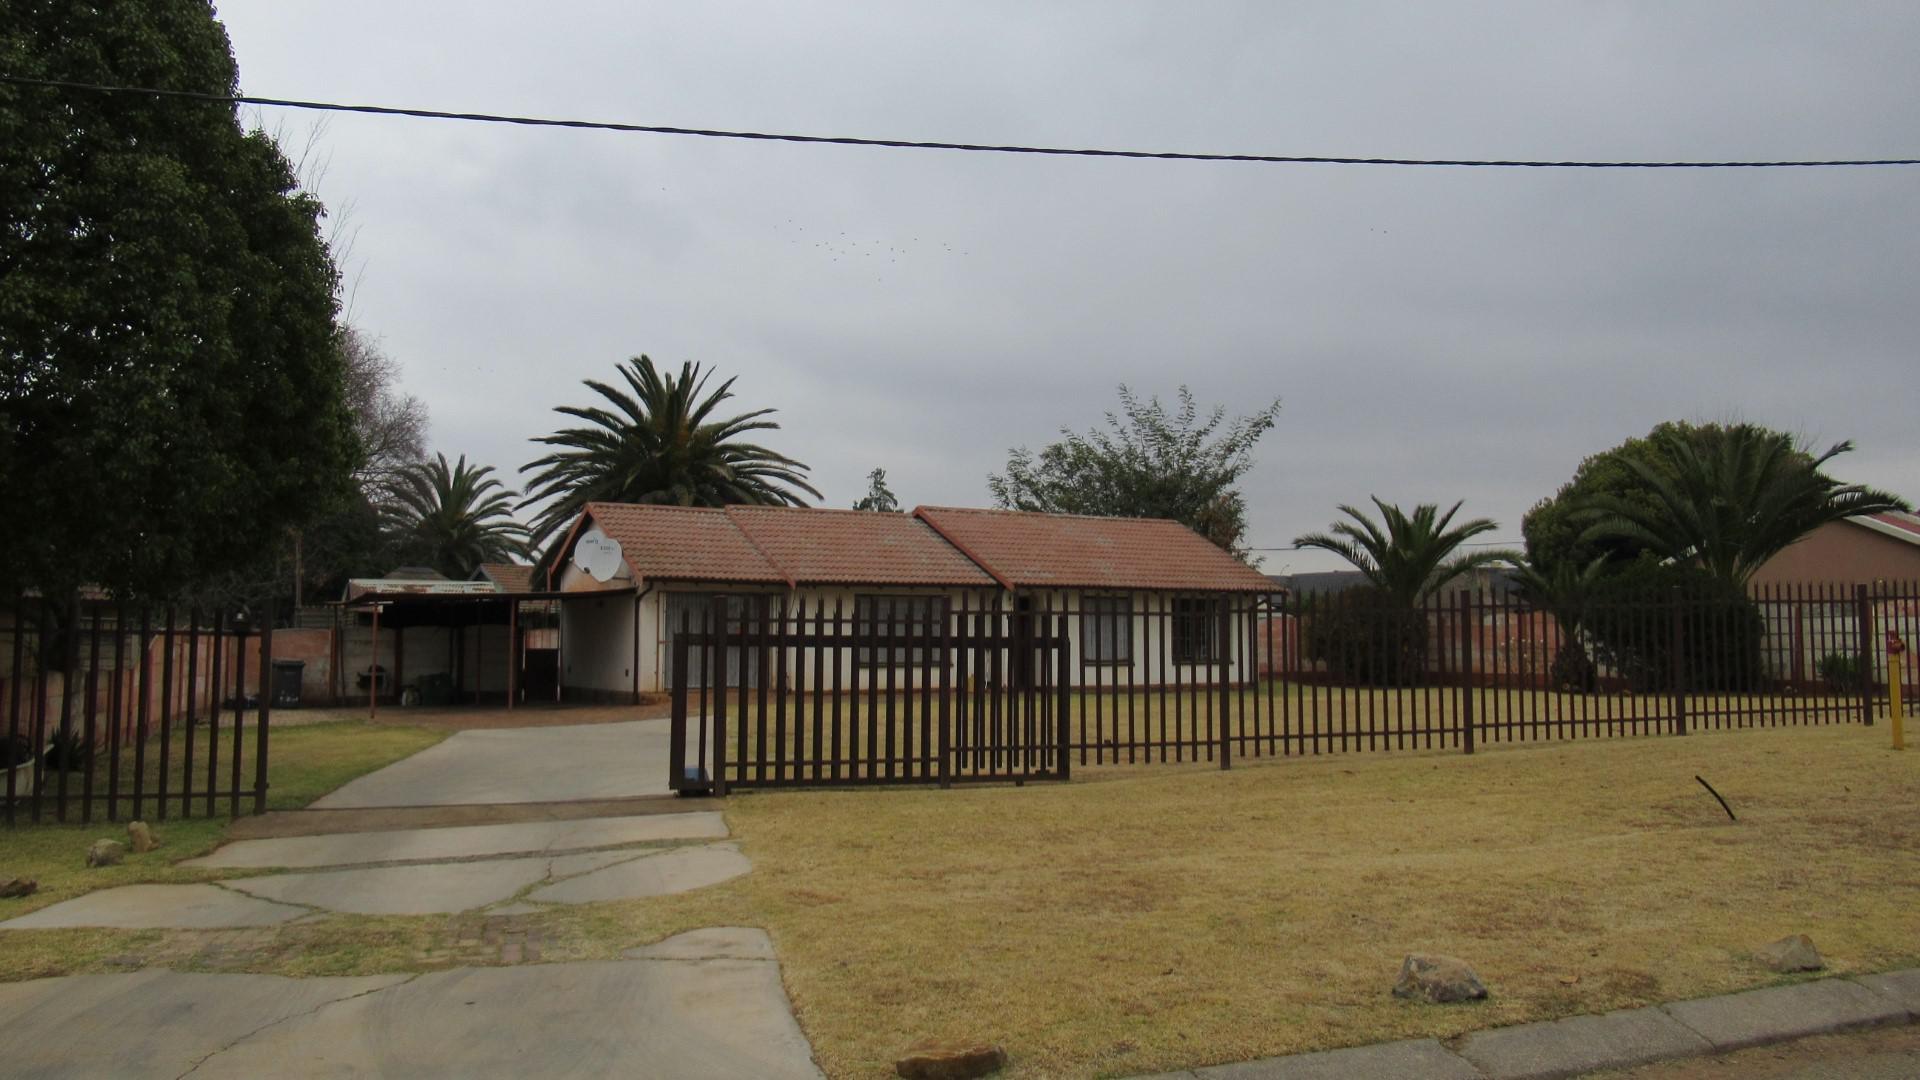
[
  {"x": 670, "y": 872},
  {"x": 711, "y": 943},
  {"x": 150, "y": 1023},
  {"x": 158, "y": 907},
  {"x": 429, "y": 889},
  {"x": 521, "y": 765},
  {"x": 710, "y": 1019},
  {"x": 466, "y": 841},
  {"x": 1733, "y": 1021},
  {"x": 1580, "y": 1044},
  {"x": 1424, "y": 1058}
]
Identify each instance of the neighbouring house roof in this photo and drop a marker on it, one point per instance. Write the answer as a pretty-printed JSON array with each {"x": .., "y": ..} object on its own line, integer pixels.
[
  {"x": 1024, "y": 550},
  {"x": 1894, "y": 523},
  {"x": 509, "y": 577},
  {"x": 823, "y": 547},
  {"x": 933, "y": 546}
]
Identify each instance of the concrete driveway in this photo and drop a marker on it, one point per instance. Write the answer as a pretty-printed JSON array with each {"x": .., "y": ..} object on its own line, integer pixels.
[
  {"x": 714, "y": 1008},
  {"x": 520, "y": 765}
]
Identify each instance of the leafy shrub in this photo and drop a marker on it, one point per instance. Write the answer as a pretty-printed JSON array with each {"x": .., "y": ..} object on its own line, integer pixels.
[
  {"x": 1841, "y": 671},
  {"x": 1631, "y": 623},
  {"x": 1364, "y": 636}
]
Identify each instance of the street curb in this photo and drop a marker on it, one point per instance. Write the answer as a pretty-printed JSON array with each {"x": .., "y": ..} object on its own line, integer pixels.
[{"x": 1554, "y": 1049}]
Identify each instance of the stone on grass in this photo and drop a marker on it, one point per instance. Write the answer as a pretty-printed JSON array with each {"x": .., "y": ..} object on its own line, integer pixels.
[
  {"x": 1794, "y": 952},
  {"x": 106, "y": 853},
  {"x": 18, "y": 887},
  {"x": 949, "y": 1059},
  {"x": 141, "y": 835},
  {"x": 1437, "y": 980}
]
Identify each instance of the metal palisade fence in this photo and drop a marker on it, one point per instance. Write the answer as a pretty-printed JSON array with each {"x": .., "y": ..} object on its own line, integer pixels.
[
  {"x": 796, "y": 691},
  {"x": 132, "y": 711}
]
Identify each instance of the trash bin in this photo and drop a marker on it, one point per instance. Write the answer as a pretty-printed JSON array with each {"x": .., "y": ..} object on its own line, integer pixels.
[
  {"x": 436, "y": 689},
  {"x": 286, "y": 683}
]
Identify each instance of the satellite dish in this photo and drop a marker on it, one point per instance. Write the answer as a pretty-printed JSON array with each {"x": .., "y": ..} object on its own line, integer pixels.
[{"x": 598, "y": 555}]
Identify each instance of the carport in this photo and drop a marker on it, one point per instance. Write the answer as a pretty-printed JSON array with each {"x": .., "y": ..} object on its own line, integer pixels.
[{"x": 447, "y": 642}]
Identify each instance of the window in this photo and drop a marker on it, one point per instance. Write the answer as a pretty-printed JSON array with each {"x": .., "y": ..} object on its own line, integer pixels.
[
  {"x": 903, "y": 618},
  {"x": 1106, "y": 630},
  {"x": 1196, "y": 625}
]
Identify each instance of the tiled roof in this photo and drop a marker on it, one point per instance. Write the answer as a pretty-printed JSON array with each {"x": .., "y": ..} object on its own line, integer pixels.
[
  {"x": 1893, "y": 523},
  {"x": 817, "y": 546},
  {"x": 1038, "y": 550},
  {"x": 934, "y": 546},
  {"x": 683, "y": 543},
  {"x": 511, "y": 577}
]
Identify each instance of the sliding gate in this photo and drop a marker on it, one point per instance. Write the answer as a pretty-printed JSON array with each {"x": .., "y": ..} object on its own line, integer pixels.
[{"x": 922, "y": 693}]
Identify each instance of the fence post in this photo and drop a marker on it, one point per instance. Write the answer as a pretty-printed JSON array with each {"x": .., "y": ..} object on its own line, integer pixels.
[
  {"x": 1466, "y": 671},
  {"x": 1676, "y": 664},
  {"x": 677, "y": 730},
  {"x": 1062, "y": 720},
  {"x": 944, "y": 605},
  {"x": 723, "y": 663},
  {"x": 1223, "y": 654},
  {"x": 264, "y": 716},
  {"x": 1864, "y": 606}
]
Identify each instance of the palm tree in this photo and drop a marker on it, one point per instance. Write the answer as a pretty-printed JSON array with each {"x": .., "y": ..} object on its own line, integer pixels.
[
  {"x": 1730, "y": 502},
  {"x": 454, "y": 518},
  {"x": 659, "y": 443},
  {"x": 1413, "y": 557},
  {"x": 1565, "y": 592}
]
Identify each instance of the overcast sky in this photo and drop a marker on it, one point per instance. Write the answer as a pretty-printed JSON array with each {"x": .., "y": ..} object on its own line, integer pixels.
[{"x": 1435, "y": 334}]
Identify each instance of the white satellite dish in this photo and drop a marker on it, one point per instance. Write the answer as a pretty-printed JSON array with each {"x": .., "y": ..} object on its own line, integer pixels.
[{"x": 598, "y": 555}]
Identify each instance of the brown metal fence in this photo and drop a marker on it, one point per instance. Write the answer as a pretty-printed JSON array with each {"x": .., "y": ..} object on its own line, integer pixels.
[
  {"x": 966, "y": 688},
  {"x": 132, "y": 711}
]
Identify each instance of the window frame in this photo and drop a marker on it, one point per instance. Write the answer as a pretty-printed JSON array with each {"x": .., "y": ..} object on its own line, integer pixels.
[
  {"x": 926, "y": 608},
  {"x": 1189, "y": 613},
  {"x": 1116, "y": 612}
]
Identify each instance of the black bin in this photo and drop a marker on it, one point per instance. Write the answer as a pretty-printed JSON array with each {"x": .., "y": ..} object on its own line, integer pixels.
[{"x": 286, "y": 683}]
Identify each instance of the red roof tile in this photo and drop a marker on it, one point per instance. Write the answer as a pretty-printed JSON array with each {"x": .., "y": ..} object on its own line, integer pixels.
[
  {"x": 511, "y": 577},
  {"x": 854, "y": 547},
  {"x": 1894, "y": 523},
  {"x": 683, "y": 543},
  {"x": 1061, "y": 550}
]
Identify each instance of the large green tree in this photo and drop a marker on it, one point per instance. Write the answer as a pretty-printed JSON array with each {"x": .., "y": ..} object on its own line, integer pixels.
[
  {"x": 171, "y": 403},
  {"x": 454, "y": 517},
  {"x": 660, "y": 441},
  {"x": 1726, "y": 499},
  {"x": 1148, "y": 462},
  {"x": 1407, "y": 557}
]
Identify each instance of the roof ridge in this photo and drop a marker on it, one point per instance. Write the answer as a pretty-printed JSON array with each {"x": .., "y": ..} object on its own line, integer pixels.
[{"x": 1045, "y": 514}]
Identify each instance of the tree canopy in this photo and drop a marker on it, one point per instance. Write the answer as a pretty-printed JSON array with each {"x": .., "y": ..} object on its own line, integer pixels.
[
  {"x": 1727, "y": 499},
  {"x": 660, "y": 442},
  {"x": 1728, "y": 496},
  {"x": 1408, "y": 557},
  {"x": 453, "y": 518},
  {"x": 172, "y": 396},
  {"x": 1148, "y": 462},
  {"x": 879, "y": 496}
]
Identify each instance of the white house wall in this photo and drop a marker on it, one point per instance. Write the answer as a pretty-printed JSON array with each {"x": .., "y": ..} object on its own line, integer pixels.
[{"x": 1151, "y": 662}]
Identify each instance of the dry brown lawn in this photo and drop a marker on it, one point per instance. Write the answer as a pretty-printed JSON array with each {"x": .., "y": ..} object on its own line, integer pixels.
[{"x": 1157, "y": 918}]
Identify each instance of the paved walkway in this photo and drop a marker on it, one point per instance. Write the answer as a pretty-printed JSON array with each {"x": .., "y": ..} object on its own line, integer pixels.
[
  {"x": 705, "y": 1004},
  {"x": 521, "y": 765}
]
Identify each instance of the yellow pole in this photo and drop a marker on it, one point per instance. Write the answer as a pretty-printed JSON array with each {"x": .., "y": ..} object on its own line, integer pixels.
[{"x": 1895, "y": 654}]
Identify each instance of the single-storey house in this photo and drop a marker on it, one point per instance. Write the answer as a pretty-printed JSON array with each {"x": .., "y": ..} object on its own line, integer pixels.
[
  {"x": 1868, "y": 548},
  {"x": 1148, "y": 594}
]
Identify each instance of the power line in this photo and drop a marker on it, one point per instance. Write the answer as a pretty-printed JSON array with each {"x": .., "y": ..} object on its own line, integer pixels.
[
  {"x": 916, "y": 144},
  {"x": 1470, "y": 543}
]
